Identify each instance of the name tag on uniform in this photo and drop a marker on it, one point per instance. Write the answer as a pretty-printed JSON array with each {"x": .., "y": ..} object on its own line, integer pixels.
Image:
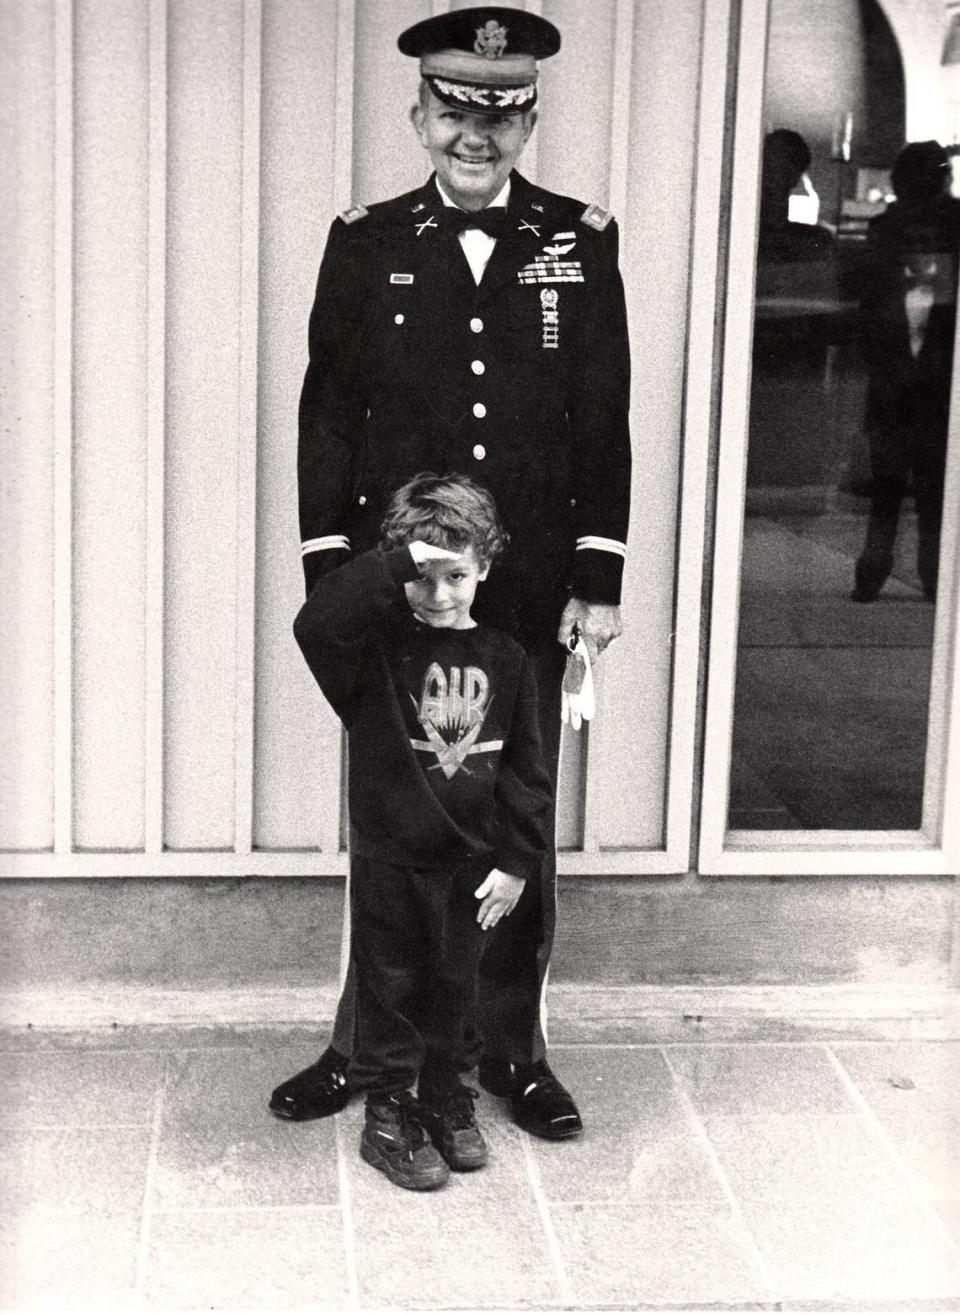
[{"x": 401, "y": 278}]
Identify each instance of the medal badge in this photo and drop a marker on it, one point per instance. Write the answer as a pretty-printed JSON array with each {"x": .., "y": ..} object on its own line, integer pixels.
[{"x": 549, "y": 300}]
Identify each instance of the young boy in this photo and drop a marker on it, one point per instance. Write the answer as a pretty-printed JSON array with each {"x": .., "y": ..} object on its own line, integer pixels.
[{"x": 449, "y": 804}]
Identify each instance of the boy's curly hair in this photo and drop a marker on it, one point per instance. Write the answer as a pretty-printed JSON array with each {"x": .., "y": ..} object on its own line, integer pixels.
[{"x": 449, "y": 511}]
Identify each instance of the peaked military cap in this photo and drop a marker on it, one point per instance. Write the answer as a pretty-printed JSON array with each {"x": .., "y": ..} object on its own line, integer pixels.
[{"x": 483, "y": 60}]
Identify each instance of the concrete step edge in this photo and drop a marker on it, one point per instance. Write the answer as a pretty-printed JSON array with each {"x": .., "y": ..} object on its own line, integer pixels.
[{"x": 577, "y": 1014}]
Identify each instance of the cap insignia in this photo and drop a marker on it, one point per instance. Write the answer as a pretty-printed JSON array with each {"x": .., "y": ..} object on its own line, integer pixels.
[
  {"x": 491, "y": 40},
  {"x": 596, "y": 217},
  {"x": 353, "y": 213}
]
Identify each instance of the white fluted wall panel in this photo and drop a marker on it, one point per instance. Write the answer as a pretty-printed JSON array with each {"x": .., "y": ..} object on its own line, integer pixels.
[
  {"x": 109, "y": 448},
  {"x": 26, "y": 425},
  {"x": 203, "y": 353},
  {"x": 387, "y": 159},
  {"x": 629, "y": 775},
  {"x": 207, "y": 147},
  {"x": 576, "y": 101},
  {"x": 297, "y": 776}
]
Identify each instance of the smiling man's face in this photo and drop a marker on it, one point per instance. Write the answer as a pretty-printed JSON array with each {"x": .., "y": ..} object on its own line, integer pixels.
[{"x": 472, "y": 153}]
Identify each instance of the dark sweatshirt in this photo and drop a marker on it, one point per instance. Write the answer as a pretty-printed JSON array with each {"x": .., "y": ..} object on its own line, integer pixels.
[{"x": 444, "y": 743}]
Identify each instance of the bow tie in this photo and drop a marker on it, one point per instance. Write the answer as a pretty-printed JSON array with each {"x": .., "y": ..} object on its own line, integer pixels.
[{"x": 494, "y": 221}]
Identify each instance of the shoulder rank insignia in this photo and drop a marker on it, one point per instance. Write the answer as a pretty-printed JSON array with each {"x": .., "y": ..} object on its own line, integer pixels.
[
  {"x": 596, "y": 217},
  {"x": 353, "y": 213}
]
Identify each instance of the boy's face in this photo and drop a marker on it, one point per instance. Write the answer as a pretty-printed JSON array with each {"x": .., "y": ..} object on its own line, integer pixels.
[{"x": 443, "y": 595}]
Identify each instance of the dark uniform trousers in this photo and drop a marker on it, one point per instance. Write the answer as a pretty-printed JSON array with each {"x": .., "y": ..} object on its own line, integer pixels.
[
  {"x": 908, "y": 392},
  {"x": 415, "y": 945},
  {"x": 521, "y": 382},
  {"x": 513, "y": 955}
]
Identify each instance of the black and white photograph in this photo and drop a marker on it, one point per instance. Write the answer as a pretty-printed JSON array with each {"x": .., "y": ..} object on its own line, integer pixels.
[{"x": 480, "y": 682}]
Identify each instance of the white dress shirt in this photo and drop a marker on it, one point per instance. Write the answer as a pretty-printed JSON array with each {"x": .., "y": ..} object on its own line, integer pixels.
[{"x": 478, "y": 245}]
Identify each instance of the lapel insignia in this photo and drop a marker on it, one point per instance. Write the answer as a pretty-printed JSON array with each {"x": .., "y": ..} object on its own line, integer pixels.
[
  {"x": 430, "y": 222},
  {"x": 401, "y": 278},
  {"x": 353, "y": 213},
  {"x": 535, "y": 205},
  {"x": 534, "y": 228},
  {"x": 418, "y": 207},
  {"x": 596, "y": 217}
]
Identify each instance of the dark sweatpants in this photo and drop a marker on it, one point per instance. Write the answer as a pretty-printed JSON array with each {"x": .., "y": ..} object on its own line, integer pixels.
[
  {"x": 416, "y": 947},
  {"x": 516, "y": 952}
]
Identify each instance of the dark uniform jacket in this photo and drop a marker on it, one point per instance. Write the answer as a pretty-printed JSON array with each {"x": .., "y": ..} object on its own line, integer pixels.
[
  {"x": 912, "y": 244},
  {"x": 445, "y": 759},
  {"x": 521, "y": 382}
]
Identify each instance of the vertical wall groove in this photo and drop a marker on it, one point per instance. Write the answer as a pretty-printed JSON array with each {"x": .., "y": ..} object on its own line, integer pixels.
[
  {"x": 247, "y": 428},
  {"x": 343, "y": 182},
  {"x": 63, "y": 428},
  {"x": 620, "y": 120},
  {"x": 156, "y": 422},
  {"x": 531, "y": 154}
]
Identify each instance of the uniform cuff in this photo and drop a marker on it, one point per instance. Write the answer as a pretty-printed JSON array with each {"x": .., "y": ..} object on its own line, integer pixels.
[
  {"x": 316, "y": 564},
  {"x": 401, "y": 565},
  {"x": 597, "y": 575},
  {"x": 517, "y": 865}
]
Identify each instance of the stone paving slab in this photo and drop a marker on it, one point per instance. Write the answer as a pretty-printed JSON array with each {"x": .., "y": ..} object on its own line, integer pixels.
[{"x": 728, "y": 1177}]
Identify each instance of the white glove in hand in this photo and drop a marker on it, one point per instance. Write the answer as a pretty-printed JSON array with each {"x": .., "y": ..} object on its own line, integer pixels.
[{"x": 577, "y": 700}]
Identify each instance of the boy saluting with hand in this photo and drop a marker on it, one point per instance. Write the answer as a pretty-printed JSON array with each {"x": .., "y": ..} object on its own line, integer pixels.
[{"x": 449, "y": 804}]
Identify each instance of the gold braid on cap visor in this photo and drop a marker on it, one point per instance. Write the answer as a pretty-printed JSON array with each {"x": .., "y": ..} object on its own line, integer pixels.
[{"x": 485, "y": 98}]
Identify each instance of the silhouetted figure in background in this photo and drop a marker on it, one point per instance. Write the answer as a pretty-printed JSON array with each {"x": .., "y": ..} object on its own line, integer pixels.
[
  {"x": 797, "y": 305},
  {"x": 908, "y": 313},
  {"x": 786, "y": 158}
]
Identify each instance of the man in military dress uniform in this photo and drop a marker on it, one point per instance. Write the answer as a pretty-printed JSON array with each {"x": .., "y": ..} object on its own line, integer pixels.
[{"x": 478, "y": 325}]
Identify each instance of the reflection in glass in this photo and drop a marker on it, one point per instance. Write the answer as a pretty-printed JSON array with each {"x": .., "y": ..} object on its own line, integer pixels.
[{"x": 854, "y": 320}]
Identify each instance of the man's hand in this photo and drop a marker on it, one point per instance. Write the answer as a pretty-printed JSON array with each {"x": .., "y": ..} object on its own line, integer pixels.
[
  {"x": 599, "y": 624},
  {"x": 499, "y": 892},
  {"x": 429, "y": 552}
]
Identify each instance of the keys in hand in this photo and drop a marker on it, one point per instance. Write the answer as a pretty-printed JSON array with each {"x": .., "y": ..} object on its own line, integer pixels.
[{"x": 577, "y": 698}]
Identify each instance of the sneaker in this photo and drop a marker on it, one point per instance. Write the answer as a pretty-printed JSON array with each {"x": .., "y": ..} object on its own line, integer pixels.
[
  {"x": 395, "y": 1141},
  {"x": 449, "y": 1119}
]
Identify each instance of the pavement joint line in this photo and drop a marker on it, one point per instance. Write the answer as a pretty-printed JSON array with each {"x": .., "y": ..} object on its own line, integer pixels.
[
  {"x": 688, "y": 1045},
  {"x": 146, "y": 1213},
  {"x": 567, "y": 1295},
  {"x": 736, "y": 1210},
  {"x": 77, "y": 1127},
  {"x": 346, "y": 1216},
  {"x": 240, "y": 1208},
  {"x": 881, "y": 1135}
]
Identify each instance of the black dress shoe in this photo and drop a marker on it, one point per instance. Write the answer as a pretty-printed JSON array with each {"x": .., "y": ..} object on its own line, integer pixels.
[
  {"x": 540, "y": 1103},
  {"x": 317, "y": 1092}
]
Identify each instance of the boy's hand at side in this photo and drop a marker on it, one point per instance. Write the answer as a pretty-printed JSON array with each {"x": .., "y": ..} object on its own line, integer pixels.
[
  {"x": 499, "y": 892},
  {"x": 429, "y": 552}
]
